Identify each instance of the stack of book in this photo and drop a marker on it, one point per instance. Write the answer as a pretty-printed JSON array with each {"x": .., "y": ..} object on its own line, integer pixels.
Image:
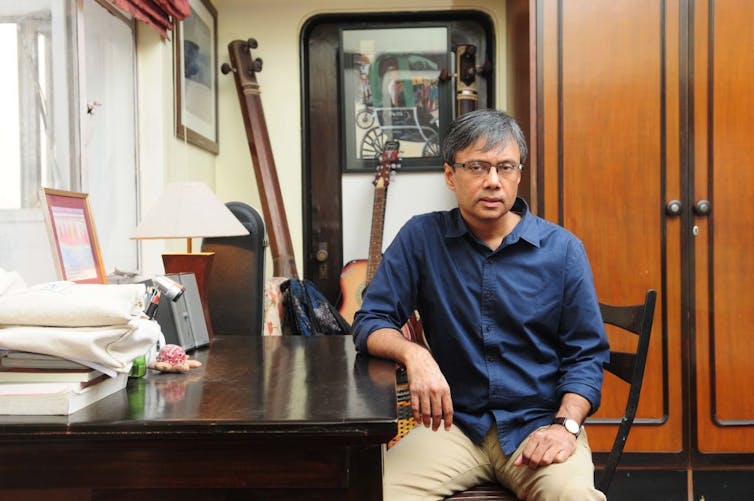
[{"x": 37, "y": 384}]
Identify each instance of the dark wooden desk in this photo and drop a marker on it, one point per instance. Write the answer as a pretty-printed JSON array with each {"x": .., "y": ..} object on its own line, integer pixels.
[{"x": 264, "y": 418}]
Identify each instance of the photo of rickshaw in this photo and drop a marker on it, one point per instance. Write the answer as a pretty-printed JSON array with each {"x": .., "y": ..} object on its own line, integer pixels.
[
  {"x": 392, "y": 92},
  {"x": 399, "y": 101}
]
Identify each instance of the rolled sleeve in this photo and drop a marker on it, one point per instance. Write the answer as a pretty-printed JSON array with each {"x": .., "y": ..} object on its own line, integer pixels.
[
  {"x": 363, "y": 326},
  {"x": 584, "y": 345},
  {"x": 391, "y": 295}
]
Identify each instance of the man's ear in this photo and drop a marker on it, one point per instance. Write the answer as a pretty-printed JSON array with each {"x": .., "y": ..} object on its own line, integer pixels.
[{"x": 449, "y": 174}]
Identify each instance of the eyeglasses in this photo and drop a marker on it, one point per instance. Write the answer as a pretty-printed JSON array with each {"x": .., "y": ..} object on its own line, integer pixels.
[{"x": 479, "y": 168}]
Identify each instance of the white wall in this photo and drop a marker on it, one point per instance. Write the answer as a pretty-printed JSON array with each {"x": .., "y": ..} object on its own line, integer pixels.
[
  {"x": 277, "y": 27},
  {"x": 163, "y": 157}
]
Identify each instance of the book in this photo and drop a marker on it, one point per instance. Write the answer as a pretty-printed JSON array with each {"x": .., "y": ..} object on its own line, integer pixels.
[
  {"x": 49, "y": 399},
  {"x": 34, "y": 375},
  {"x": 37, "y": 361}
]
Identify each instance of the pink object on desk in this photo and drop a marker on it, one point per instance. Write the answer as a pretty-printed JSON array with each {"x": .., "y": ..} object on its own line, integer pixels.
[{"x": 172, "y": 354}]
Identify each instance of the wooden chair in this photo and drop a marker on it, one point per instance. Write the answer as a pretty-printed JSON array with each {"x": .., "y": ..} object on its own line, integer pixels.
[{"x": 629, "y": 367}]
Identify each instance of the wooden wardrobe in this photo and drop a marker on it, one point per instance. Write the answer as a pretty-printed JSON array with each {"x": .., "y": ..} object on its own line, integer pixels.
[{"x": 642, "y": 123}]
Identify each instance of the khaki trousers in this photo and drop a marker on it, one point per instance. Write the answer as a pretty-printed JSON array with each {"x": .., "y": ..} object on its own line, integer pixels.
[{"x": 428, "y": 464}]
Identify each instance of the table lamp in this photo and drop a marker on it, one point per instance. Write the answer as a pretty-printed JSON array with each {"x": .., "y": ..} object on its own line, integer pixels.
[{"x": 189, "y": 210}]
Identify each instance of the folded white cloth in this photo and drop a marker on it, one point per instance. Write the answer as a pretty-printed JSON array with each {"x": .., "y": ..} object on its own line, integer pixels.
[
  {"x": 68, "y": 304},
  {"x": 114, "y": 347}
]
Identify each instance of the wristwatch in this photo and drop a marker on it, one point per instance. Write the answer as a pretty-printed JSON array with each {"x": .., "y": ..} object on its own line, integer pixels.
[{"x": 570, "y": 424}]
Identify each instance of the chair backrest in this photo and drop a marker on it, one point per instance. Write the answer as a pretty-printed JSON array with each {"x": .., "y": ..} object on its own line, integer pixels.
[
  {"x": 629, "y": 367},
  {"x": 235, "y": 287}
]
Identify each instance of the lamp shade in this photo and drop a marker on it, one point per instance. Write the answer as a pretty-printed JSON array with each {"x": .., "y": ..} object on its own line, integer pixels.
[{"x": 188, "y": 210}]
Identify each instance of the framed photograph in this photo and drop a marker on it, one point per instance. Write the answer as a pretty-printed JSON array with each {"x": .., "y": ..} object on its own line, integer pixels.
[
  {"x": 77, "y": 253},
  {"x": 195, "y": 58},
  {"x": 391, "y": 90}
]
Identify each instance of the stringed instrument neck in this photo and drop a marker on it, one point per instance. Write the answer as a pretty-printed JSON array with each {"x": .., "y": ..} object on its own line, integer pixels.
[
  {"x": 273, "y": 209},
  {"x": 357, "y": 274},
  {"x": 389, "y": 162},
  {"x": 375, "y": 236}
]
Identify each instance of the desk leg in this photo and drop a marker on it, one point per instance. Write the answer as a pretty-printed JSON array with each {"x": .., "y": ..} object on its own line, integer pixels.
[{"x": 365, "y": 480}]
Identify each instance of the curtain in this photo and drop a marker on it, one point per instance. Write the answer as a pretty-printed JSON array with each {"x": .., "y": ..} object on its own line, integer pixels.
[{"x": 160, "y": 14}]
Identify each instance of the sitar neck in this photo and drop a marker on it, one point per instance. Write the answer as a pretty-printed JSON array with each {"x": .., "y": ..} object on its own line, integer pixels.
[{"x": 273, "y": 208}]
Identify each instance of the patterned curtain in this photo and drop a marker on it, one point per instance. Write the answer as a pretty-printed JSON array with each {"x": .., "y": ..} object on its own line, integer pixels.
[{"x": 160, "y": 14}]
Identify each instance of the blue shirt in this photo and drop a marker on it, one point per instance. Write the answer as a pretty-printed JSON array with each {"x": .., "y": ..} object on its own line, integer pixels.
[{"x": 512, "y": 329}]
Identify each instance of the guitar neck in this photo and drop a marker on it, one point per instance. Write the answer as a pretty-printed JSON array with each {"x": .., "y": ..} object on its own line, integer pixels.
[
  {"x": 273, "y": 208},
  {"x": 375, "y": 236}
]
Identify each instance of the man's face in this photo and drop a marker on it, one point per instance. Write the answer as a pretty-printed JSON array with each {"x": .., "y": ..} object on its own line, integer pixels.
[{"x": 486, "y": 198}]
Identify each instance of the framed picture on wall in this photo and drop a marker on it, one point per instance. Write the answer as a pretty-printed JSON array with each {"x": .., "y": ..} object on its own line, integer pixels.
[
  {"x": 195, "y": 58},
  {"x": 391, "y": 90},
  {"x": 76, "y": 250}
]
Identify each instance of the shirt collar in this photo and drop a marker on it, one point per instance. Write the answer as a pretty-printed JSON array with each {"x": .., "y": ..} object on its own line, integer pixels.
[{"x": 526, "y": 229}]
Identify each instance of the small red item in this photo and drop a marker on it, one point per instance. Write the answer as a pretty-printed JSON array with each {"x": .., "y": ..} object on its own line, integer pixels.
[{"x": 172, "y": 354}]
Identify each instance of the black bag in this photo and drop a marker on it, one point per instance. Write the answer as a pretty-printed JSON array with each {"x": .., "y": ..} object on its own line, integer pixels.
[{"x": 308, "y": 313}]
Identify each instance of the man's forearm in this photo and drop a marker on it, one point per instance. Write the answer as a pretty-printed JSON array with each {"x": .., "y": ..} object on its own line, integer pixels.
[
  {"x": 574, "y": 406},
  {"x": 391, "y": 344}
]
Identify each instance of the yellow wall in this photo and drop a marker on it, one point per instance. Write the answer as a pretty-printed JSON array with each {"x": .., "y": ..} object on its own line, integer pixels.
[{"x": 276, "y": 24}]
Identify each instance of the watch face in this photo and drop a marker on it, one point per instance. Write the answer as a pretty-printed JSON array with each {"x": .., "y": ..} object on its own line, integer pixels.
[{"x": 572, "y": 426}]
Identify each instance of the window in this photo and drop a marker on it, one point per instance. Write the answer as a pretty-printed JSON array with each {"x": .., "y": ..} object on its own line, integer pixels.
[
  {"x": 68, "y": 122},
  {"x": 35, "y": 128}
]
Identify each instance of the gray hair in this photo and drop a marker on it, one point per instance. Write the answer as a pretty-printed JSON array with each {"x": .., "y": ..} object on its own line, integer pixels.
[{"x": 495, "y": 127}]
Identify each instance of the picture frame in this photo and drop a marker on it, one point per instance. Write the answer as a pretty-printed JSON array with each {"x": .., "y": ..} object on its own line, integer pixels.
[
  {"x": 195, "y": 75},
  {"x": 73, "y": 237},
  {"x": 391, "y": 90}
]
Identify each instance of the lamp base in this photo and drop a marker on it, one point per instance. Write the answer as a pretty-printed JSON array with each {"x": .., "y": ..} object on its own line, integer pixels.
[{"x": 200, "y": 264}]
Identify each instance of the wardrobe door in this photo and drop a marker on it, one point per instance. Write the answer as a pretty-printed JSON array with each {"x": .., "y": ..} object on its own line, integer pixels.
[
  {"x": 609, "y": 161},
  {"x": 723, "y": 175}
]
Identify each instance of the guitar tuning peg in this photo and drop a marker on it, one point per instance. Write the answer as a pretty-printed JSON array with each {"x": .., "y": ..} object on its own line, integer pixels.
[
  {"x": 251, "y": 43},
  {"x": 226, "y": 68}
]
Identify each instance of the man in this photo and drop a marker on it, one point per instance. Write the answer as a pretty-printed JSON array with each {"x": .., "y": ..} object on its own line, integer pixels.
[{"x": 511, "y": 317}]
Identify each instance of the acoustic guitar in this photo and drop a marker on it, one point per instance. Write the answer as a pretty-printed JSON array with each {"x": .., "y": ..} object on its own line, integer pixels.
[{"x": 359, "y": 272}]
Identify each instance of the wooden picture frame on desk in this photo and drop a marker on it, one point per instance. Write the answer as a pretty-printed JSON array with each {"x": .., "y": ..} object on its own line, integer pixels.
[
  {"x": 195, "y": 75},
  {"x": 76, "y": 250}
]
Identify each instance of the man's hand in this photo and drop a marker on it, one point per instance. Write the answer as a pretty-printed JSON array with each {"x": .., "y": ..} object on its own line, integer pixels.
[
  {"x": 553, "y": 444},
  {"x": 430, "y": 393}
]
